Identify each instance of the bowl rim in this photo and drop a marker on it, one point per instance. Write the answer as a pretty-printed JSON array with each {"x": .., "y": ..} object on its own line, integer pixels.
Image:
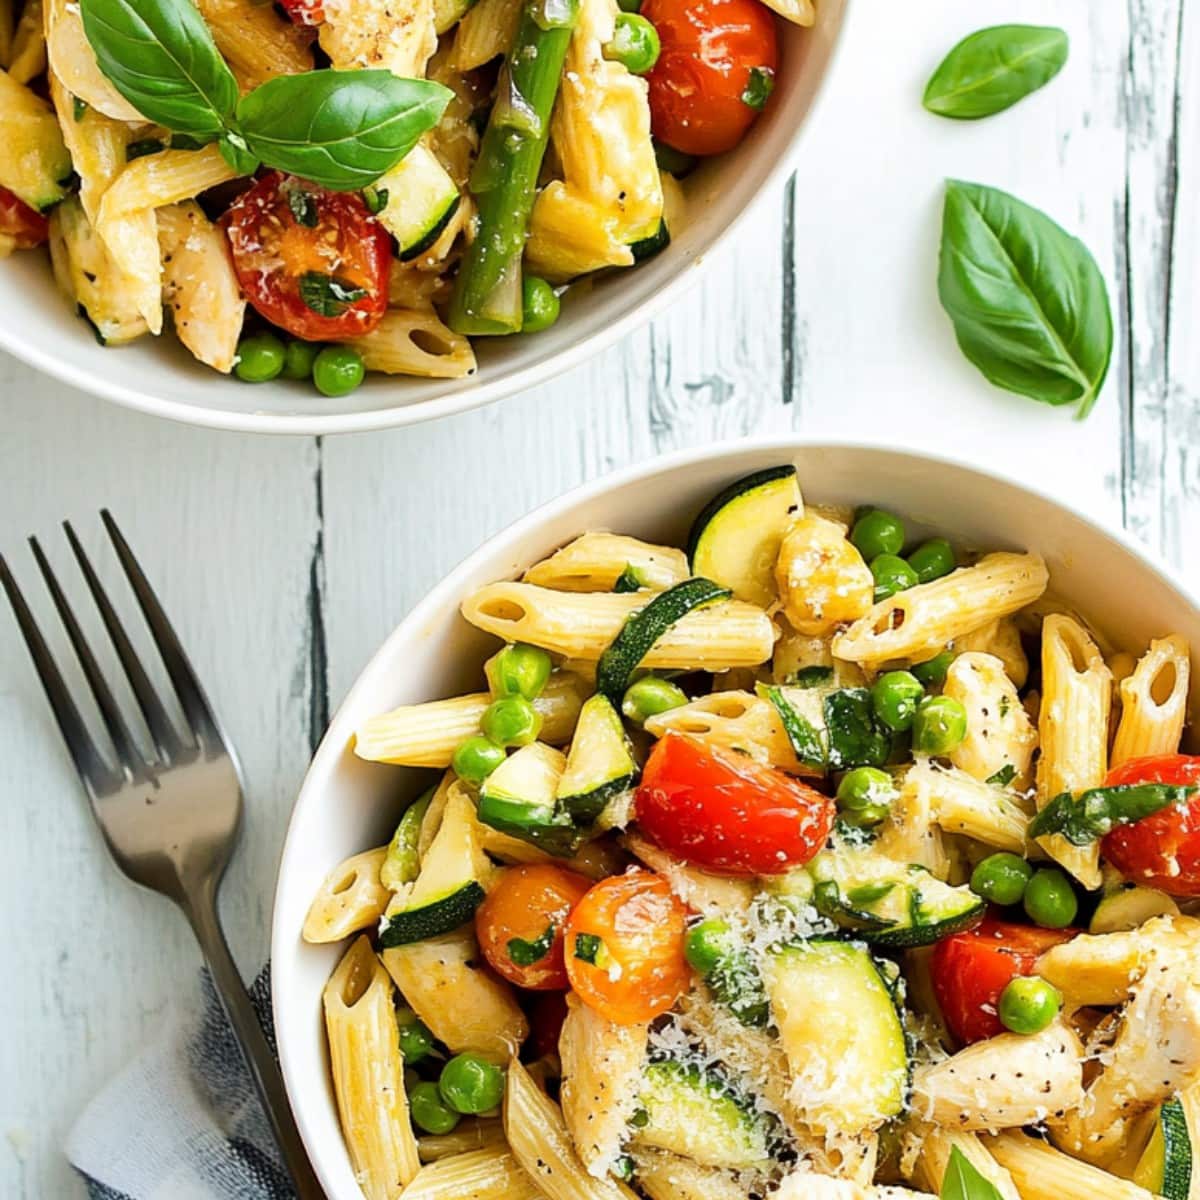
[
  {"x": 688, "y": 274},
  {"x": 446, "y": 593}
]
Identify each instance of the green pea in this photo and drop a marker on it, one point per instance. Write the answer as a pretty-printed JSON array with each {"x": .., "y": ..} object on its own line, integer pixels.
[
  {"x": 892, "y": 575},
  {"x": 429, "y": 1111},
  {"x": 866, "y": 817},
  {"x": 1028, "y": 1004},
  {"x": 939, "y": 725},
  {"x": 1001, "y": 878},
  {"x": 932, "y": 671},
  {"x": 539, "y": 305},
  {"x": 259, "y": 358},
  {"x": 877, "y": 532},
  {"x": 634, "y": 44},
  {"x": 1050, "y": 900},
  {"x": 866, "y": 789},
  {"x": 415, "y": 1039},
  {"x": 337, "y": 370},
  {"x": 519, "y": 670},
  {"x": 707, "y": 944},
  {"x": 932, "y": 559},
  {"x": 512, "y": 721},
  {"x": 470, "y": 1084},
  {"x": 649, "y": 696},
  {"x": 298, "y": 359},
  {"x": 895, "y": 697},
  {"x": 476, "y": 758}
]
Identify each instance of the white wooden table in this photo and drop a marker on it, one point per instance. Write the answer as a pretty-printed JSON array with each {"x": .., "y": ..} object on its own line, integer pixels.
[{"x": 285, "y": 562}]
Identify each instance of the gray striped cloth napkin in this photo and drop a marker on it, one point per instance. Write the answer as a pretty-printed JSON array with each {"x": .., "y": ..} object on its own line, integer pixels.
[{"x": 182, "y": 1121}]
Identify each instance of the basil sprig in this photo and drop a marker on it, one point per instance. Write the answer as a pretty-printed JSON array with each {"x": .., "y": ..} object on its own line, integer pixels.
[
  {"x": 991, "y": 69},
  {"x": 963, "y": 1181},
  {"x": 339, "y": 129},
  {"x": 1027, "y": 301},
  {"x": 1086, "y": 818}
]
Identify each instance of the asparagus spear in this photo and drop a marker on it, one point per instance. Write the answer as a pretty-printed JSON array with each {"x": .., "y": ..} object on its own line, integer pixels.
[{"x": 487, "y": 292}]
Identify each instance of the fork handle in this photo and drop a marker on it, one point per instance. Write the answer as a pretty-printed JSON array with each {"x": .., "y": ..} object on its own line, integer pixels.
[{"x": 201, "y": 912}]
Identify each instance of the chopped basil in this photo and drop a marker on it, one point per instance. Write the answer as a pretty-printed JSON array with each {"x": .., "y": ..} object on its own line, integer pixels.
[
  {"x": 1086, "y": 818},
  {"x": 78, "y": 108},
  {"x": 525, "y": 954},
  {"x": 327, "y": 295},
  {"x": 588, "y": 947},
  {"x": 1004, "y": 776},
  {"x": 856, "y": 736},
  {"x": 140, "y": 149},
  {"x": 304, "y": 208},
  {"x": 809, "y": 677},
  {"x": 759, "y": 87},
  {"x": 630, "y": 580}
]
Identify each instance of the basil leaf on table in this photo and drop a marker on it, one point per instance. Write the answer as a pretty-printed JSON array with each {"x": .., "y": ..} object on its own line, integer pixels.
[
  {"x": 161, "y": 57},
  {"x": 339, "y": 129},
  {"x": 990, "y": 70},
  {"x": 963, "y": 1181},
  {"x": 1027, "y": 300}
]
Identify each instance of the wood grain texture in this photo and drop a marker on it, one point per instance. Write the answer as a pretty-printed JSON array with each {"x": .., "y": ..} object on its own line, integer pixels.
[{"x": 285, "y": 563}]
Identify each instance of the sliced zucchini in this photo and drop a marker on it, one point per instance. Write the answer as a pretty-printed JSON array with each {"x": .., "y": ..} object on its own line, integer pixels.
[
  {"x": 656, "y": 243},
  {"x": 1165, "y": 1167},
  {"x": 889, "y": 903},
  {"x": 449, "y": 888},
  {"x": 632, "y": 579},
  {"x": 802, "y": 712},
  {"x": 642, "y": 629},
  {"x": 403, "y": 860},
  {"x": 519, "y": 798},
  {"x": 735, "y": 539},
  {"x": 34, "y": 163},
  {"x": 841, "y": 1033},
  {"x": 855, "y": 735},
  {"x": 421, "y": 198},
  {"x": 693, "y": 1112},
  {"x": 601, "y": 771},
  {"x": 1130, "y": 906}
]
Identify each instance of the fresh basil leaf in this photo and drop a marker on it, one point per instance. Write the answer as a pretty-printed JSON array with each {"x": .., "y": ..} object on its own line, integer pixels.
[
  {"x": 856, "y": 737},
  {"x": 1086, "y": 818},
  {"x": 810, "y": 677},
  {"x": 991, "y": 69},
  {"x": 1004, "y": 776},
  {"x": 588, "y": 947},
  {"x": 141, "y": 148},
  {"x": 235, "y": 152},
  {"x": 758, "y": 88},
  {"x": 160, "y": 55},
  {"x": 339, "y": 129},
  {"x": 962, "y": 1181},
  {"x": 303, "y": 205},
  {"x": 525, "y": 953},
  {"x": 327, "y": 295},
  {"x": 78, "y": 108},
  {"x": 1027, "y": 301}
]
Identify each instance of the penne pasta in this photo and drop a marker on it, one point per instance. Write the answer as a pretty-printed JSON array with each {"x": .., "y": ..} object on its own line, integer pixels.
[
  {"x": 916, "y": 624},
  {"x": 1072, "y": 731},
  {"x": 27, "y": 57},
  {"x": 474, "y": 1133},
  {"x": 257, "y": 40},
  {"x": 716, "y": 637},
  {"x": 97, "y": 146},
  {"x": 165, "y": 178},
  {"x": 74, "y": 69},
  {"x": 485, "y": 33},
  {"x": 409, "y": 342},
  {"x": 960, "y": 803},
  {"x": 1153, "y": 702},
  {"x": 351, "y": 898},
  {"x": 490, "y": 1173},
  {"x": 666, "y": 1176},
  {"x": 698, "y": 889},
  {"x": 368, "y": 1074},
  {"x": 1043, "y": 1173},
  {"x": 594, "y": 562},
  {"x": 937, "y": 1144}
]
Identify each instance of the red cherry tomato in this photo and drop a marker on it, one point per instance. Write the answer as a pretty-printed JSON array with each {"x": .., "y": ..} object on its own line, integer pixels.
[
  {"x": 723, "y": 811},
  {"x": 546, "y": 1017},
  {"x": 624, "y": 948},
  {"x": 20, "y": 222},
  {"x": 520, "y": 924},
  {"x": 291, "y": 240},
  {"x": 304, "y": 12},
  {"x": 969, "y": 971},
  {"x": 1163, "y": 849},
  {"x": 709, "y": 50}
]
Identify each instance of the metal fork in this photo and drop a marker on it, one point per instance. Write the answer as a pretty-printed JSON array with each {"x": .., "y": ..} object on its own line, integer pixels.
[{"x": 170, "y": 821}]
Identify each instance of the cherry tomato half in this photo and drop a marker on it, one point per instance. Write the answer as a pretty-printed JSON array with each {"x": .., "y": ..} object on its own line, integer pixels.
[
  {"x": 520, "y": 924},
  {"x": 721, "y": 810},
  {"x": 1163, "y": 849},
  {"x": 969, "y": 971},
  {"x": 624, "y": 948},
  {"x": 717, "y": 64},
  {"x": 311, "y": 261},
  {"x": 304, "y": 12},
  {"x": 20, "y": 222}
]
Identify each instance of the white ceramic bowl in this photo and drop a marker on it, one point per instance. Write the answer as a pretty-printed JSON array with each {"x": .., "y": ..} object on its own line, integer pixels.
[
  {"x": 157, "y": 375},
  {"x": 347, "y": 805}
]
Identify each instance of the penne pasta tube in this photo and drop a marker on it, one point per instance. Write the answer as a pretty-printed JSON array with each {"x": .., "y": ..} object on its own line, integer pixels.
[
  {"x": 666, "y": 1176},
  {"x": 696, "y": 888},
  {"x": 938, "y": 1144},
  {"x": 1043, "y": 1173},
  {"x": 368, "y": 1074},
  {"x": 97, "y": 146},
  {"x": 27, "y": 57},
  {"x": 540, "y": 1142},
  {"x": 415, "y": 342},
  {"x": 1072, "y": 731},
  {"x": 257, "y": 40},
  {"x": 716, "y": 637},
  {"x": 164, "y": 178},
  {"x": 594, "y": 562},
  {"x": 485, "y": 33},
  {"x": 474, "y": 1133},
  {"x": 916, "y": 624},
  {"x": 960, "y": 803},
  {"x": 491, "y": 1173},
  {"x": 1154, "y": 702},
  {"x": 73, "y": 66},
  {"x": 426, "y": 735},
  {"x": 351, "y": 898}
]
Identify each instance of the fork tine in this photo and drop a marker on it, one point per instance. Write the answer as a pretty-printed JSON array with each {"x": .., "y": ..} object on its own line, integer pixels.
[
  {"x": 97, "y": 776},
  {"x": 169, "y": 745},
  {"x": 127, "y": 751},
  {"x": 187, "y": 686}
]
